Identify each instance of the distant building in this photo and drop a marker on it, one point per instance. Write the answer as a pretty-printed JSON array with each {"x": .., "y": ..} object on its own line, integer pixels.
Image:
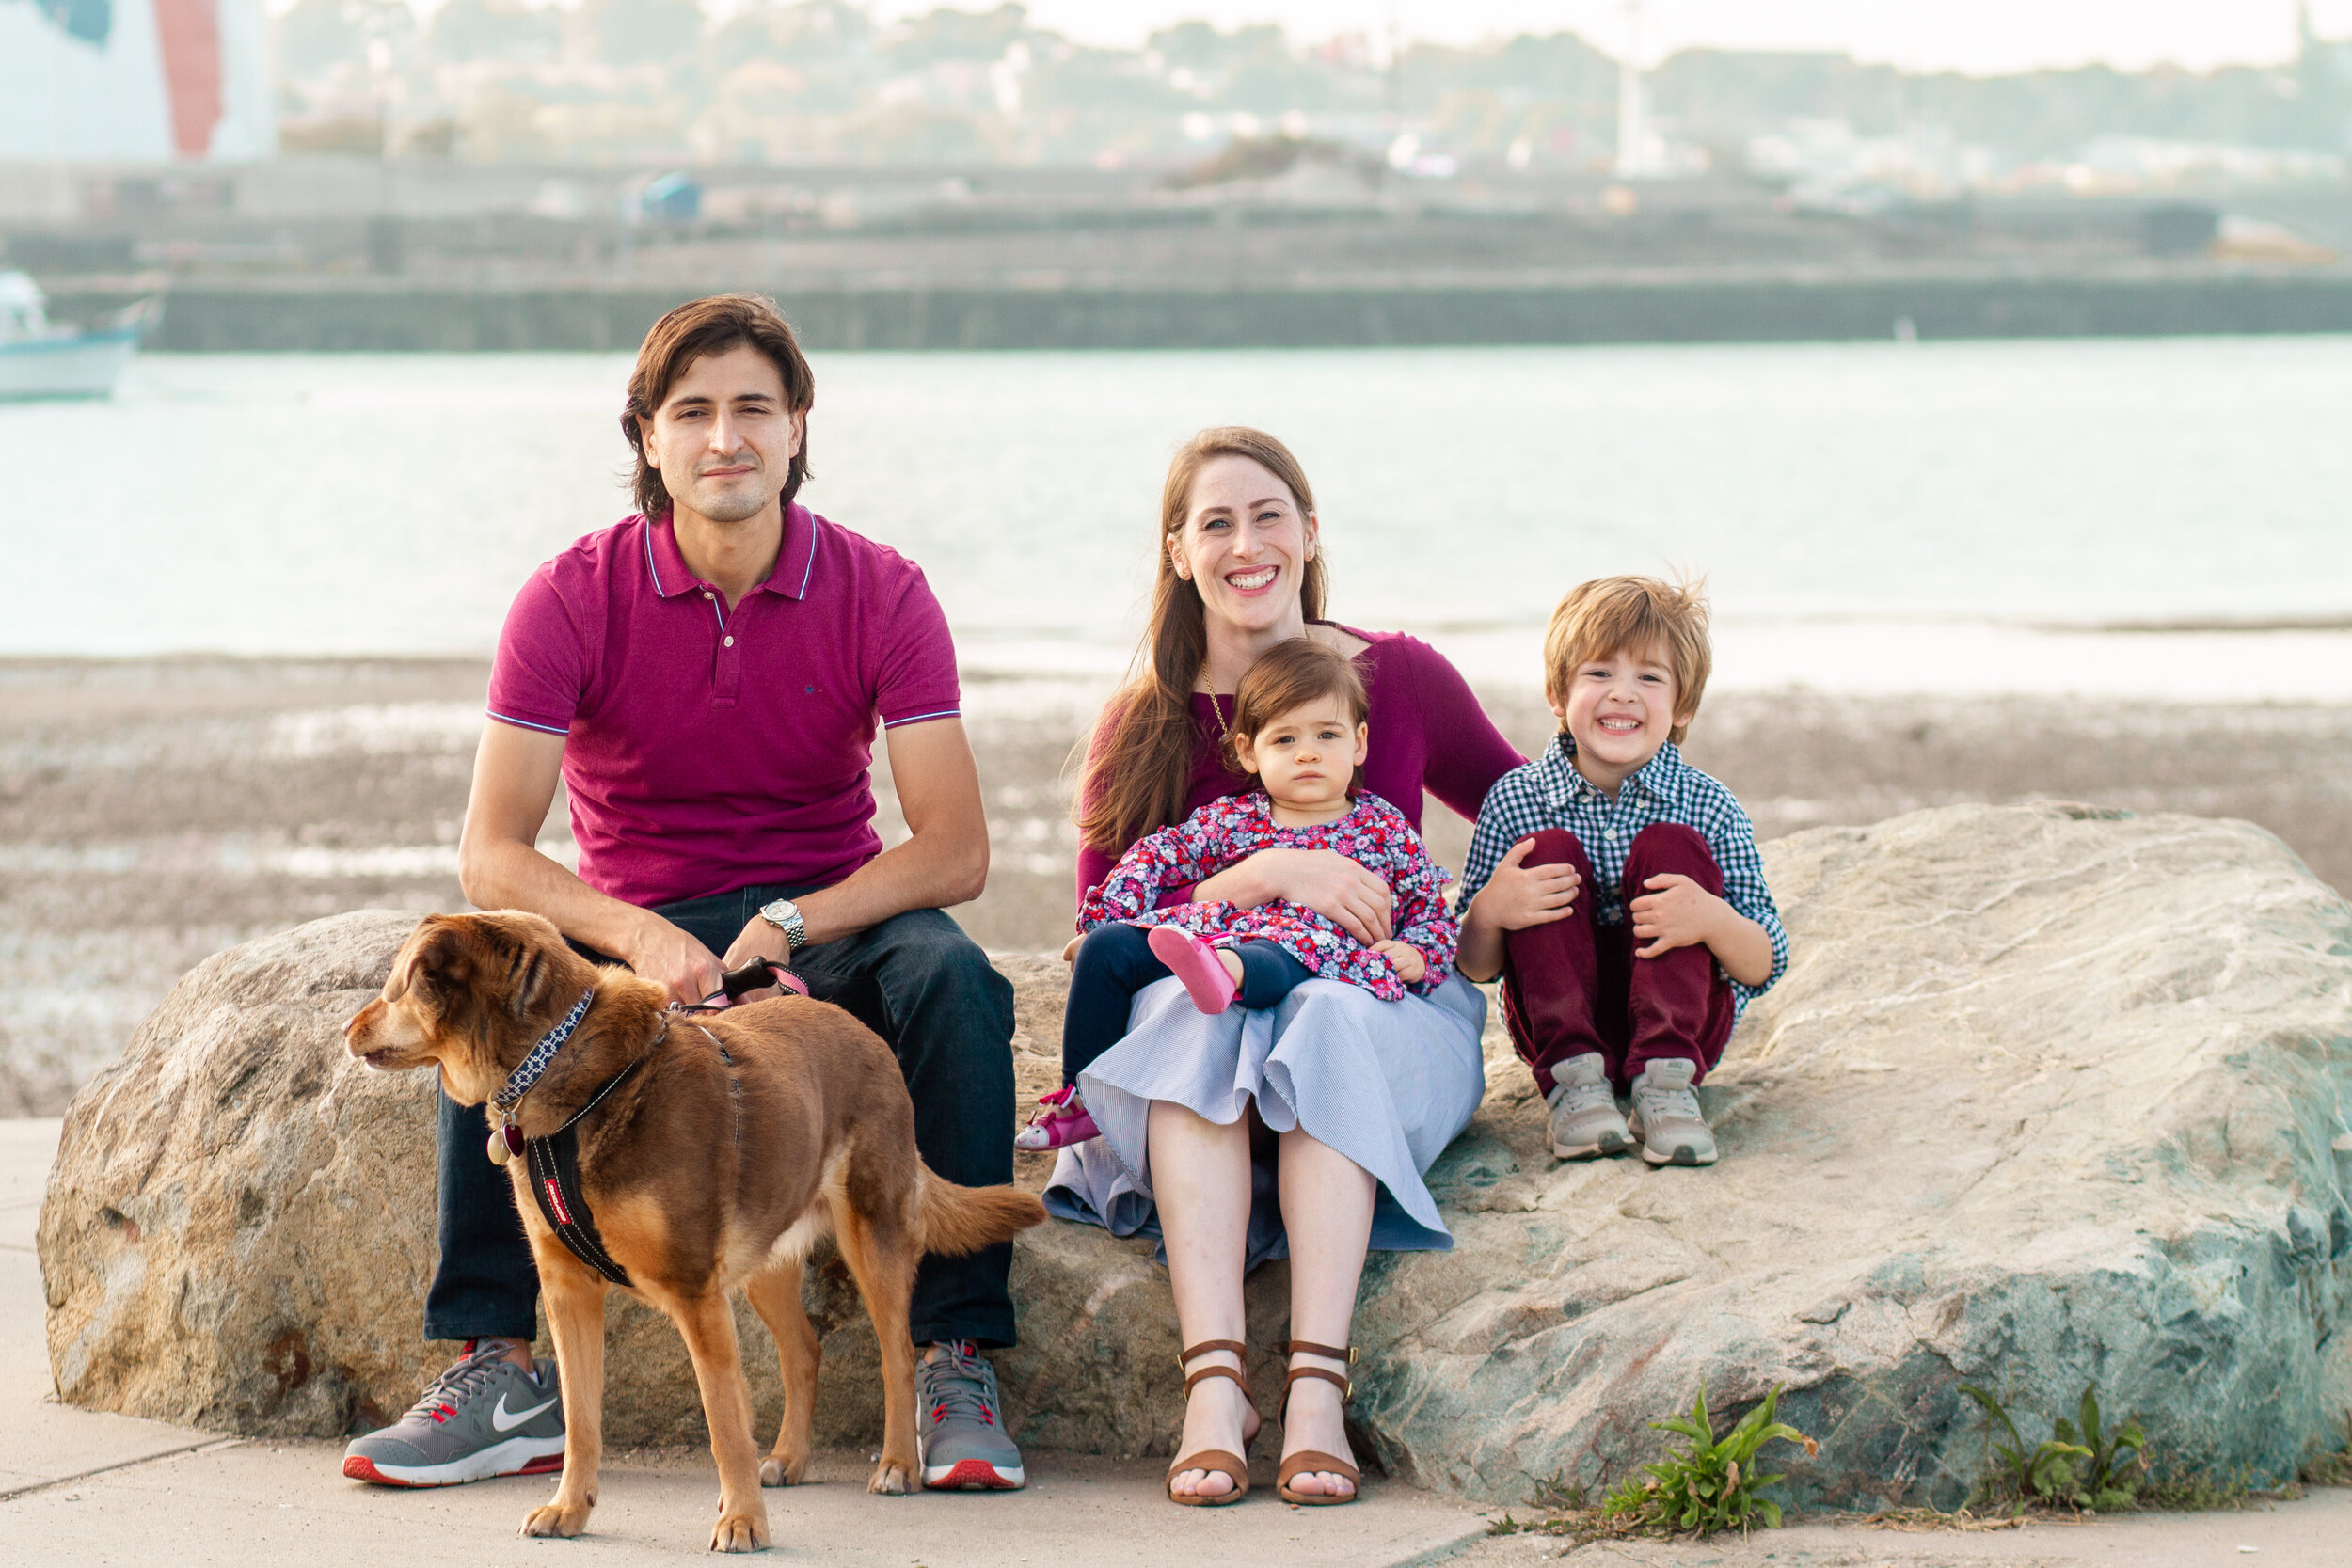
[{"x": 109, "y": 81}]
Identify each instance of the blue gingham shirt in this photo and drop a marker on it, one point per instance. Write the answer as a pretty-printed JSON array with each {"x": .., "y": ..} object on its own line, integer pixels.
[{"x": 1551, "y": 793}]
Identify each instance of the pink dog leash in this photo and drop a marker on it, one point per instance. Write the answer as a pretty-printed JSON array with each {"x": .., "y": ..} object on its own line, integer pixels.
[{"x": 758, "y": 974}]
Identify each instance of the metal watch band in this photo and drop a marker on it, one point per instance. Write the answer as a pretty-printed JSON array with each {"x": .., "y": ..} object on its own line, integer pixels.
[{"x": 795, "y": 929}]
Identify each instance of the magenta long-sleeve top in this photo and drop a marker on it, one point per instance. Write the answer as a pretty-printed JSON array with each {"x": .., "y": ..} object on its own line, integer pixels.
[{"x": 1427, "y": 732}]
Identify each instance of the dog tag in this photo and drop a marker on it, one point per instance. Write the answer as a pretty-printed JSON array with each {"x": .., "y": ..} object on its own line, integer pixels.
[{"x": 506, "y": 1142}]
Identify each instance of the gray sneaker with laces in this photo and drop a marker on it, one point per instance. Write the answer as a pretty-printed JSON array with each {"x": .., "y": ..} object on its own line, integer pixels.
[
  {"x": 484, "y": 1416},
  {"x": 1666, "y": 1115},
  {"x": 960, "y": 1422},
  {"x": 1584, "y": 1118}
]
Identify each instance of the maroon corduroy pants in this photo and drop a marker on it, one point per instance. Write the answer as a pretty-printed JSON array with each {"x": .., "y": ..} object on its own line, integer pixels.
[{"x": 1574, "y": 986}]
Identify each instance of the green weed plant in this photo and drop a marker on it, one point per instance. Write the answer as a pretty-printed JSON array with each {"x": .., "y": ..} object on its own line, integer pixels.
[
  {"x": 2084, "y": 1465},
  {"x": 1711, "y": 1485}
]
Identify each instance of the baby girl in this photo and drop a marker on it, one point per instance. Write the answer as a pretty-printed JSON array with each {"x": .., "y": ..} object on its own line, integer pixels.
[{"x": 1300, "y": 726}]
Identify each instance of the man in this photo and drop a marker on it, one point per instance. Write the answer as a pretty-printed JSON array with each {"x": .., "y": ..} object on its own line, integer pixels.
[{"x": 705, "y": 678}]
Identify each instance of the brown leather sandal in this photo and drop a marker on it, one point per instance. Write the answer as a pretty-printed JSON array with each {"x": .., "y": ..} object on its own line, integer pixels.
[
  {"x": 1216, "y": 1462},
  {"x": 1309, "y": 1461}
]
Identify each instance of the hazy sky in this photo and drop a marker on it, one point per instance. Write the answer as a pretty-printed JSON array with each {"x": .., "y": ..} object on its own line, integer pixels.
[{"x": 1981, "y": 36}]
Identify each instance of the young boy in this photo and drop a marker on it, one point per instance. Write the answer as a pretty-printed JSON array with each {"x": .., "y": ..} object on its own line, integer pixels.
[{"x": 1615, "y": 888}]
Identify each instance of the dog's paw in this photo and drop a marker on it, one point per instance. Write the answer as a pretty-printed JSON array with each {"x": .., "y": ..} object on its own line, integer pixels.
[
  {"x": 892, "y": 1477},
  {"x": 740, "y": 1532},
  {"x": 561, "y": 1519},
  {"x": 779, "y": 1469}
]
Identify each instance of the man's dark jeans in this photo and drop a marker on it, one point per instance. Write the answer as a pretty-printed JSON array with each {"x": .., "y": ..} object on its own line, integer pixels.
[{"x": 918, "y": 982}]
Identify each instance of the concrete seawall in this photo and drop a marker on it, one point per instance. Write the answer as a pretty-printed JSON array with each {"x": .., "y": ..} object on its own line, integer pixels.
[{"x": 397, "y": 314}]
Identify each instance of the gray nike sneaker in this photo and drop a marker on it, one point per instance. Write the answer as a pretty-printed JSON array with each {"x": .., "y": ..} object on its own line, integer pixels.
[
  {"x": 960, "y": 1422},
  {"x": 1666, "y": 1115},
  {"x": 485, "y": 1417},
  {"x": 1584, "y": 1118}
]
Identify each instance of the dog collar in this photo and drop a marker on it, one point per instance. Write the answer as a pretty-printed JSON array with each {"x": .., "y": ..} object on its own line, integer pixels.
[{"x": 518, "y": 1083}]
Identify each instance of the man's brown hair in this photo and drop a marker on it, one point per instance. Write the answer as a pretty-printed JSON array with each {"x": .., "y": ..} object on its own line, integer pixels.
[
  {"x": 1286, "y": 678},
  {"x": 706, "y": 327},
  {"x": 1633, "y": 615}
]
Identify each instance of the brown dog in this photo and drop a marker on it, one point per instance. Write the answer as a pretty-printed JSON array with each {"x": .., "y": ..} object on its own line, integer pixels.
[{"x": 743, "y": 1139}]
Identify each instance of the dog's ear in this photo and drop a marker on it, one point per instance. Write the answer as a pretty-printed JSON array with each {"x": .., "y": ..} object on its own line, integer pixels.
[
  {"x": 532, "y": 972},
  {"x": 443, "y": 962}
]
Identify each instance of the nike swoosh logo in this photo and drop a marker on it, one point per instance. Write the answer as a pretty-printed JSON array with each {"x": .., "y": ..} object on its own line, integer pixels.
[{"x": 504, "y": 1422}]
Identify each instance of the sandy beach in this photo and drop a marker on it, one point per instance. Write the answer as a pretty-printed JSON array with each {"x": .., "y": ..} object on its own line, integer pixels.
[{"x": 153, "y": 811}]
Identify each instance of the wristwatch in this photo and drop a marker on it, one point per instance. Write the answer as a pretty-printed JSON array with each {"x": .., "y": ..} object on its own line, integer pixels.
[{"x": 785, "y": 915}]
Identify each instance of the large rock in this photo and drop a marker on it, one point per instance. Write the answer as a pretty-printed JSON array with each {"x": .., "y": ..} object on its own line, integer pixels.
[
  {"x": 2045, "y": 1099},
  {"x": 239, "y": 1224}
]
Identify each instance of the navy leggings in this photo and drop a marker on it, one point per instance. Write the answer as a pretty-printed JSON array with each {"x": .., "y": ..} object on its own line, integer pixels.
[{"x": 1116, "y": 962}]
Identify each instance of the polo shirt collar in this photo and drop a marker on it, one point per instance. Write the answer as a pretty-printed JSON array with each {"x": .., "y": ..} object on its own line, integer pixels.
[{"x": 796, "y": 560}]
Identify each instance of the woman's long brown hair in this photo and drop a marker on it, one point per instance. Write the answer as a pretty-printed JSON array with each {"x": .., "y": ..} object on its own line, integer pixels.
[{"x": 1137, "y": 775}]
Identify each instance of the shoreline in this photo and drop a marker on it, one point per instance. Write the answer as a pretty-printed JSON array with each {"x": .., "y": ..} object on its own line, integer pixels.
[
  {"x": 909, "y": 308},
  {"x": 2306, "y": 656},
  {"x": 155, "y": 811}
]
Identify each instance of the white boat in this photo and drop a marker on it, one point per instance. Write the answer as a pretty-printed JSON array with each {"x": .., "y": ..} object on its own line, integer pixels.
[{"x": 38, "y": 359}]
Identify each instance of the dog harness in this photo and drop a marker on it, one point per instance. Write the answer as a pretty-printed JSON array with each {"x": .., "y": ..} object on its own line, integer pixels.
[
  {"x": 554, "y": 1166},
  {"x": 554, "y": 1162}
]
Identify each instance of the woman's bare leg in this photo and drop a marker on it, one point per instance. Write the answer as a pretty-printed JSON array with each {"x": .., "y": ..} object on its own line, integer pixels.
[
  {"x": 1200, "y": 1182},
  {"x": 1326, "y": 1210}
]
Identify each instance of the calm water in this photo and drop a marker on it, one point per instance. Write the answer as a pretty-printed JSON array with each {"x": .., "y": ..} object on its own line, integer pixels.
[{"x": 1865, "y": 512}]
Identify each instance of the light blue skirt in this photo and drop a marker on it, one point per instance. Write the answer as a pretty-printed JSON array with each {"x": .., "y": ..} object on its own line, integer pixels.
[{"x": 1387, "y": 1083}]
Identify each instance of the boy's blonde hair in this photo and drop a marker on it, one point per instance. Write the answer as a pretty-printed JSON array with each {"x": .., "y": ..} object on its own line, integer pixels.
[{"x": 1610, "y": 615}]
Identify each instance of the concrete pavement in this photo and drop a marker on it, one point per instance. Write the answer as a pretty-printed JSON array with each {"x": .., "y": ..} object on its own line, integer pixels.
[{"x": 79, "y": 1487}]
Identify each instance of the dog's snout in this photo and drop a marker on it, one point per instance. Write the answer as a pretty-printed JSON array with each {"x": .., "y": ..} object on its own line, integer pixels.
[{"x": 359, "y": 1021}]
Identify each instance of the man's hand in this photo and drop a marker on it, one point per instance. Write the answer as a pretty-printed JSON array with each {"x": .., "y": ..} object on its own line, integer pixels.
[
  {"x": 1519, "y": 896},
  {"x": 672, "y": 960},
  {"x": 757, "y": 940},
  {"x": 1676, "y": 912},
  {"x": 1410, "y": 965}
]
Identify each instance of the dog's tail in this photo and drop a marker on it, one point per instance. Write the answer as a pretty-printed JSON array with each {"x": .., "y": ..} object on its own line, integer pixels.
[{"x": 959, "y": 1220}]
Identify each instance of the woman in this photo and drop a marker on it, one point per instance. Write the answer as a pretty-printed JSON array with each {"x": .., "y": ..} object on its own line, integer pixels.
[{"x": 1361, "y": 1095}]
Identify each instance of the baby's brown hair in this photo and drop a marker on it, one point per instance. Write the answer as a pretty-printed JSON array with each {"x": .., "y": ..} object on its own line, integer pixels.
[
  {"x": 1286, "y": 677},
  {"x": 1610, "y": 615}
]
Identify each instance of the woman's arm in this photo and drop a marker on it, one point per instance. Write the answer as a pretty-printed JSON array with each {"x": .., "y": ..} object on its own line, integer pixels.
[
  {"x": 1467, "y": 753},
  {"x": 1350, "y": 896},
  {"x": 1131, "y": 885},
  {"x": 1171, "y": 858}
]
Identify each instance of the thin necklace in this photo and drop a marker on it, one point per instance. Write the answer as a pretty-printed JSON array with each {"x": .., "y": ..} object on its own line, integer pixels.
[{"x": 1224, "y": 726}]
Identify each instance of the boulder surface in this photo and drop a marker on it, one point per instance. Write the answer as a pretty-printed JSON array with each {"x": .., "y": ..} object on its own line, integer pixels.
[{"x": 2045, "y": 1099}]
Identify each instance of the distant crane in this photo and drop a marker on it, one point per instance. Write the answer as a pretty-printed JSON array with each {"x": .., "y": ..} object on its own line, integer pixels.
[{"x": 1633, "y": 159}]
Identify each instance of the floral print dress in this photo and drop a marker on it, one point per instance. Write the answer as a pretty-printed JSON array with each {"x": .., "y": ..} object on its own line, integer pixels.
[{"x": 1373, "y": 833}]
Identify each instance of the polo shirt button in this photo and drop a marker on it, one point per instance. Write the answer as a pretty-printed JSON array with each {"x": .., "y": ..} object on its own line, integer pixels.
[
  {"x": 731, "y": 644},
  {"x": 706, "y": 593}
]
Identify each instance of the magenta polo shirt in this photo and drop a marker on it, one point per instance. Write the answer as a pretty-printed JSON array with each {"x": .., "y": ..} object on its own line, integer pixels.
[{"x": 709, "y": 749}]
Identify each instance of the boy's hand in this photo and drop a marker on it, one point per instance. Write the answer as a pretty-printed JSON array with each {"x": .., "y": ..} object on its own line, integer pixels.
[
  {"x": 1410, "y": 966},
  {"x": 1518, "y": 896},
  {"x": 1676, "y": 912}
]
